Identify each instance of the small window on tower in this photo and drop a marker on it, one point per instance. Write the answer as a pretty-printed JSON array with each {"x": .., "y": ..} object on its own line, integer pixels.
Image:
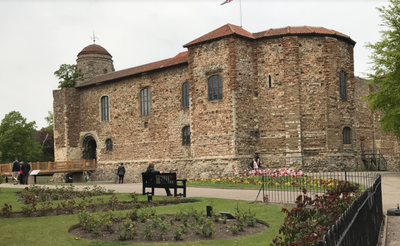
[
  {"x": 269, "y": 81},
  {"x": 109, "y": 145},
  {"x": 186, "y": 135},
  {"x": 346, "y": 135},
  {"x": 105, "y": 70}
]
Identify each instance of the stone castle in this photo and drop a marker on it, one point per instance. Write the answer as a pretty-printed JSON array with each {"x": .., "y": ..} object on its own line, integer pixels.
[{"x": 289, "y": 94}]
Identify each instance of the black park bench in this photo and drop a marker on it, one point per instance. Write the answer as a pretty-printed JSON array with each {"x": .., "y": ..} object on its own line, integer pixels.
[{"x": 164, "y": 180}]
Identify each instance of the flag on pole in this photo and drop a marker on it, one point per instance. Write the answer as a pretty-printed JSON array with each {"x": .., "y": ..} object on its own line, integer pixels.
[{"x": 226, "y": 1}]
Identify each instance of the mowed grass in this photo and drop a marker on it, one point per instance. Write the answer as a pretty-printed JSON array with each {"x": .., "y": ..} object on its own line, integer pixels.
[{"x": 54, "y": 230}]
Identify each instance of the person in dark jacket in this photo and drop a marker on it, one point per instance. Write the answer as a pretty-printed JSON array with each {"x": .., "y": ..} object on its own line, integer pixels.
[
  {"x": 150, "y": 169},
  {"x": 15, "y": 171},
  {"x": 121, "y": 173},
  {"x": 26, "y": 168}
]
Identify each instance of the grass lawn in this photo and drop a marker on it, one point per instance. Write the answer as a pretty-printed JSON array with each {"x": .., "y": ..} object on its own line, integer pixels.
[{"x": 54, "y": 230}]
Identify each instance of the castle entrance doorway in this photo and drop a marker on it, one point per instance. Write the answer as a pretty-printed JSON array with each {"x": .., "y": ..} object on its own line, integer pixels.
[{"x": 90, "y": 146}]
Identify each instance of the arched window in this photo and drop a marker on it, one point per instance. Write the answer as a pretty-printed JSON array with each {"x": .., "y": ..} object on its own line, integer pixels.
[
  {"x": 214, "y": 88},
  {"x": 342, "y": 85},
  {"x": 186, "y": 135},
  {"x": 346, "y": 135},
  {"x": 105, "y": 70},
  {"x": 145, "y": 101},
  {"x": 109, "y": 145},
  {"x": 185, "y": 94},
  {"x": 105, "y": 109}
]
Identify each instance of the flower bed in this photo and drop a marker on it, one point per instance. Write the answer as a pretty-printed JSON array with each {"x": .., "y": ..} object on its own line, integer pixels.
[
  {"x": 144, "y": 225},
  {"x": 309, "y": 220},
  {"x": 274, "y": 179},
  {"x": 32, "y": 208},
  {"x": 42, "y": 193}
]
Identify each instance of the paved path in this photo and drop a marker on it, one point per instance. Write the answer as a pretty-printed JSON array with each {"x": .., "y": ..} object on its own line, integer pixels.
[
  {"x": 391, "y": 197},
  {"x": 390, "y": 189}
]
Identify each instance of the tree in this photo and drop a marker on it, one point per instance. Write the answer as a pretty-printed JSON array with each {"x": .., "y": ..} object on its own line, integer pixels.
[
  {"x": 385, "y": 60},
  {"x": 49, "y": 120},
  {"x": 68, "y": 75},
  {"x": 46, "y": 140},
  {"x": 17, "y": 139}
]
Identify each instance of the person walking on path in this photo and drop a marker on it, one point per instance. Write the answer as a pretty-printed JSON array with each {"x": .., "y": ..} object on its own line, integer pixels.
[
  {"x": 150, "y": 169},
  {"x": 25, "y": 172},
  {"x": 121, "y": 173},
  {"x": 15, "y": 171}
]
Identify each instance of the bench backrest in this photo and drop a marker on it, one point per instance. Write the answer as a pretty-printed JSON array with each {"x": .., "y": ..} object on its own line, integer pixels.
[{"x": 157, "y": 178}]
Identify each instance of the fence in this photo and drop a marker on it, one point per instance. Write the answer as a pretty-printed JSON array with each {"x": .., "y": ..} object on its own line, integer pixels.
[
  {"x": 286, "y": 187},
  {"x": 54, "y": 167},
  {"x": 358, "y": 226},
  {"x": 361, "y": 223}
]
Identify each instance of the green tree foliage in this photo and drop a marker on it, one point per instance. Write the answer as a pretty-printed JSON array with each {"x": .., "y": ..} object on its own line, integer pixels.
[
  {"x": 67, "y": 74},
  {"x": 17, "y": 139},
  {"x": 385, "y": 60}
]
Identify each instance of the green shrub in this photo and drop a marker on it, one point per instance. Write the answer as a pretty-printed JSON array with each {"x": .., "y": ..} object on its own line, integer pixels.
[
  {"x": 178, "y": 234},
  {"x": 310, "y": 219},
  {"x": 6, "y": 210},
  {"x": 206, "y": 228},
  {"x": 127, "y": 230}
]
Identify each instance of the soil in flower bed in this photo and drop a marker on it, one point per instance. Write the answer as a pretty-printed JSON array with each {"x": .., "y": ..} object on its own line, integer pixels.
[
  {"x": 70, "y": 207},
  {"x": 193, "y": 234}
]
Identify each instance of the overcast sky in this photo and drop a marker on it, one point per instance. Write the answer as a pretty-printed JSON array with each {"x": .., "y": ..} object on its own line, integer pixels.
[{"x": 36, "y": 37}]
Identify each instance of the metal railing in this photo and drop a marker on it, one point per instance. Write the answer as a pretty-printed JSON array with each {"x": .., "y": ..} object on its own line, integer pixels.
[
  {"x": 374, "y": 158},
  {"x": 285, "y": 189},
  {"x": 361, "y": 223}
]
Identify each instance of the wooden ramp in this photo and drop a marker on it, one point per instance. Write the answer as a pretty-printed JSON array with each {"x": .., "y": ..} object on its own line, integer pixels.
[{"x": 55, "y": 167}]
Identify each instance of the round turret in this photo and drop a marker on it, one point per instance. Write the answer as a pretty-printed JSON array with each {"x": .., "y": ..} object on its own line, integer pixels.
[{"x": 92, "y": 61}]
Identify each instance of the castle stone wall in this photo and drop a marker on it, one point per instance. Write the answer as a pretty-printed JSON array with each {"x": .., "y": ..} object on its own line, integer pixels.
[{"x": 280, "y": 98}]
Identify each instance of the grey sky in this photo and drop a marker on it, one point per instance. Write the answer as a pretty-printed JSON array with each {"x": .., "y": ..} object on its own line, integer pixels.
[{"x": 38, "y": 36}]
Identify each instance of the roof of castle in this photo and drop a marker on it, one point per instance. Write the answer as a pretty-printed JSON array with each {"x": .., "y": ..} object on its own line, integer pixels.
[
  {"x": 301, "y": 30},
  {"x": 178, "y": 59},
  {"x": 94, "y": 49},
  {"x": 230, "y": 29},
  {"x": 223, "y": 31}
]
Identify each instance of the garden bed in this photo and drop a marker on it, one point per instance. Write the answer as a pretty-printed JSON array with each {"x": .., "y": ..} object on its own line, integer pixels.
[
  {"x": 32, "y": 209},
  {"x": 182, "y": 227}
]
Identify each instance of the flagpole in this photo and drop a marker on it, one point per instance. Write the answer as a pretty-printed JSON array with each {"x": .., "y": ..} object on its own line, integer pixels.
[{"x": 240, "y": 1}]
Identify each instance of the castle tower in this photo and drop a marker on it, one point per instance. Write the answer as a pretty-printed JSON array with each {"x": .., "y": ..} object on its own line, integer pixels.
[{"x": 92, "y": 61}]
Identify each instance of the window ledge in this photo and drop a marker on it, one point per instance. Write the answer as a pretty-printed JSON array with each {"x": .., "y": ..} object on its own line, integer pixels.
[{"x": 217, "y": 100}]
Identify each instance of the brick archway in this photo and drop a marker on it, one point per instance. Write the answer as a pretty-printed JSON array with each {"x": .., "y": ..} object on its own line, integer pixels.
[{"x": 89, "y": 148}]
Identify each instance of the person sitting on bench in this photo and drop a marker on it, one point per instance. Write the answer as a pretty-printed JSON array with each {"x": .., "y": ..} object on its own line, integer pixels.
[{"x": 150, "y": 169}]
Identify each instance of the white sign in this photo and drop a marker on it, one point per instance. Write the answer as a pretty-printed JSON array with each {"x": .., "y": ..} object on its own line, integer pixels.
[{"x": 35, "y": 172}]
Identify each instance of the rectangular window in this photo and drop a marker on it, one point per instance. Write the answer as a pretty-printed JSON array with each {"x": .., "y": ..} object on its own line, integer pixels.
[
  {"x": 342, "y": 85},
  {"x": 215, "y": 88},
  {"x": 185, "y": 95},
  {"x": 145, "y": 101},
  {"x": 186, "y": 135},
  {"x": 105, "y": 113}
]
